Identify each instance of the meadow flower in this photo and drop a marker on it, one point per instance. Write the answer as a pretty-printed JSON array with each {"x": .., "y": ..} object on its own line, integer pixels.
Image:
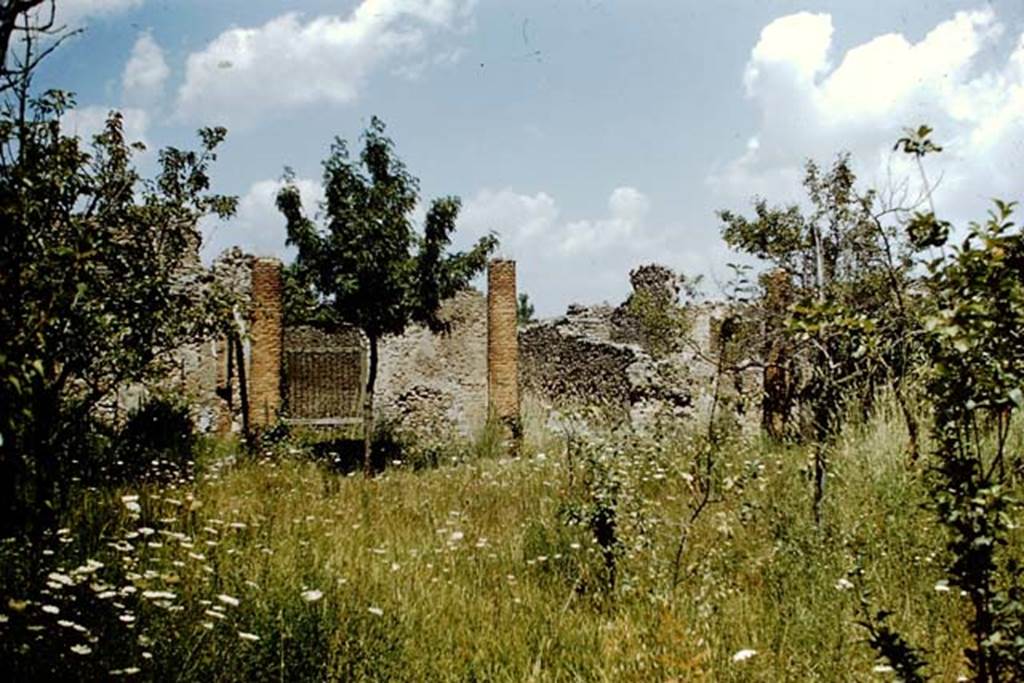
[
  {"x": 81, "y": 649},
  {"x": 843, "y": 584},
  {"x": 51, "y": 609},
  {"x": 743, "y": 655},
  {"x": 228, "y": 600},
  {"x": 58, "y": 578},
  {"x": 942, "y": 586},
  {"x": 158, "y": 595},
  {"x": 377, "y": 611},
  {"x": 251, "y": 637},
  {"x": 312, "y": 595}
]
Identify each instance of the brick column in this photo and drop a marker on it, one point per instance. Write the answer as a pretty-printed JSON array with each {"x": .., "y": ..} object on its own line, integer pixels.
[
  {"x": 266, "y": 337},
  {"x": 503, "y": 343}
]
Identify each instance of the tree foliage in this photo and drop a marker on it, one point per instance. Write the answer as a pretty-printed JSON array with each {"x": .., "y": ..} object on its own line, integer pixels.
[
  {"x": 367, "y": 266},
  {"x": 845, "y": 329},
  {"x": 524, "y": 310},
  {"x": 99, "y": 281}
]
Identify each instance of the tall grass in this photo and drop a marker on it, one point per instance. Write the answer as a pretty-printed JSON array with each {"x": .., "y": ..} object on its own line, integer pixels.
[{"x": 277, "y": 568}]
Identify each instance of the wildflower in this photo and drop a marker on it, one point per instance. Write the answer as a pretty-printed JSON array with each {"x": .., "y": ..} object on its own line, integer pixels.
[
  {"x": 81, "y": 649},
  {"x": 376, "y": 611},
  {"x": 456, "y": 537},
  {"x": 942, "y": 586},
  {"x": 251, "y": 637},
  {"x": 51, "y": 609},
  {"x": 843, "y": 584},
  {"x": 743, "y": 655},
  {"x": 228, "y": 600},
  {"x": 158, "y": 595},
  {"x": 58, "y": 578},
  {"x": 882, "y": 669},
  {"x": 312, "y": 595}
]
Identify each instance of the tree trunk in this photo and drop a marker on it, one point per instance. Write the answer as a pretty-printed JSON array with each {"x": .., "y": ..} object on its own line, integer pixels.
[
  {"x": 243, "y": 390},
  {"x": 371, "y": 380}
]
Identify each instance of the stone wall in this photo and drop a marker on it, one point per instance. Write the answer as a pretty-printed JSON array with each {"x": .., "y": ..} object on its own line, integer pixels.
[
  {"x": 437, "y": 383},
  {"x": 566, "y": 365},
  {"x": 578, "y": 360}
]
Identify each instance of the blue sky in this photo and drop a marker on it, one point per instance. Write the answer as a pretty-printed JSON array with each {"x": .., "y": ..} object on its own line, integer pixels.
[{"x": 592, "y": 135}]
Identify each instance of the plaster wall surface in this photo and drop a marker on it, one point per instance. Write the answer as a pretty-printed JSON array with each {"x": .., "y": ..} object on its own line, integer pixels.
[{"x": 436, "y": 383}]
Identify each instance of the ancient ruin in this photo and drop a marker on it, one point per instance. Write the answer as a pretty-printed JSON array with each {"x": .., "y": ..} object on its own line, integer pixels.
[{"x": 440, "y": 385}]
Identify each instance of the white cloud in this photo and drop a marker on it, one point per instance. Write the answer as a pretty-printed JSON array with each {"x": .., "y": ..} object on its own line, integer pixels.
[
  {"x": 859, "y": 101},
  {"x": 585, "y": 260},
  {"x": 290, "y": 62},
  {"x": 145, "y": 72},
  {"x": 258, "y": 227},
  {"x": 74, "y": 12},
  {"x": 85, "y": 122}
]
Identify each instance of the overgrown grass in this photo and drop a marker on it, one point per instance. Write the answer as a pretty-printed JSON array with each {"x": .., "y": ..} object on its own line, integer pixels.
[{"x": 276, "y": 568}]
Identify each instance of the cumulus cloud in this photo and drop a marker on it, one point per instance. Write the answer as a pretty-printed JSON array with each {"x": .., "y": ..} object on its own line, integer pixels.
[
  {"x": 258, "y": 227},
  {"x": 290, "y": 62},
  {"x": 145, "y": 72},
  {"x": 560, "y": 259},
  {"x": 965, "y": 78},
  {"x": 85, "y": 122}
]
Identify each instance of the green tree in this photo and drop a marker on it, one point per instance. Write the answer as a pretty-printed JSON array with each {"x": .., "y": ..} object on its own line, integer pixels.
[
  {"x": 847, "y": 326},
  {"x": 653, "y": 315},
  {"x": 524, "y": 310},
  {"x": 99, "y": 282},
  {"x": 367, "y": 266},
  {"x": 976, "y": 385}
]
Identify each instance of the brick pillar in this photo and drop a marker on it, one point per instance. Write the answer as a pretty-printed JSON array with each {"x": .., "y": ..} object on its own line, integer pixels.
[
  {"x": 503, "y": 343},
  {"x": 266, "y": 338}
]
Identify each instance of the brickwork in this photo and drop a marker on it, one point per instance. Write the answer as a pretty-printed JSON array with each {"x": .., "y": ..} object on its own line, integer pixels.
[
  {"x": 502, "y": 340},
  {"x": 266, "y": 337},
  {"x": 324, "y": 375}
]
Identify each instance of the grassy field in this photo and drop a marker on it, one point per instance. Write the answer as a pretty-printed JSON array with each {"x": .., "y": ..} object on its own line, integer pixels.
[{"x": 487, "y": 567}]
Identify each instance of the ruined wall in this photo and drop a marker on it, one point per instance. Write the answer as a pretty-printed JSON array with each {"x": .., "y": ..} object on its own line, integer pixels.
[
  {"x": 564, "y": 365},
  {"x": 579, "y": 360},
  {"x": 437, "y": 383}
]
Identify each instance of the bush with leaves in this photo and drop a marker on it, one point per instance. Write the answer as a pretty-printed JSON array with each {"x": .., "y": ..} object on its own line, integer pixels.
[
  {"x": 99, "y": 283},
  {"x": 975, "y": 344}
]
